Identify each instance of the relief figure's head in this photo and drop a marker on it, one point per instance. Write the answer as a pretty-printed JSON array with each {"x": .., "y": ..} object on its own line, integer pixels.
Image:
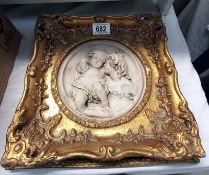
[
  {"x": 118, "y": 64},
  {"x": 82, "y": 66},
  {"x": 114, "y": 58},
  {"x": 97, "y": 58}
]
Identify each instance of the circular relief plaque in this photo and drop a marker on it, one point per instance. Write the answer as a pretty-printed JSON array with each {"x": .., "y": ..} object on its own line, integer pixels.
[{"x": 101, "y": 80}]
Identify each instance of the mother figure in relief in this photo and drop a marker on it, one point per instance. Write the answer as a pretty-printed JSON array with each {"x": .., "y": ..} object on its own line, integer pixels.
[{"x": 100, "y": 77}]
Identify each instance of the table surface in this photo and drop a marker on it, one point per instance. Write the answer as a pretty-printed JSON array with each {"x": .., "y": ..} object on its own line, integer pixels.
[{"x": 188, "y": 81}]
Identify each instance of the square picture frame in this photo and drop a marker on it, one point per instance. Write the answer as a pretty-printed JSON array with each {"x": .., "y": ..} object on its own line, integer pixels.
[{"x": 101, "y": 98}]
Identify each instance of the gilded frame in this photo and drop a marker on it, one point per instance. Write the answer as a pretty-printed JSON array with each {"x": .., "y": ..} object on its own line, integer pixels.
[{"x": 160, "y": 128}]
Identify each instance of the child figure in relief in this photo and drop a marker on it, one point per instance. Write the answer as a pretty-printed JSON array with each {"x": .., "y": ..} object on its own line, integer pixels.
[
  {"x": 103, "y": 81},
  {"x": 120, "y": 83},
  {"x": 90, "y": 93}
]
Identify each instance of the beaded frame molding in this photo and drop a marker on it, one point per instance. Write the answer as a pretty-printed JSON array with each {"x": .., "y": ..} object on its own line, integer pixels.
[{"x": 46, "y": 133}]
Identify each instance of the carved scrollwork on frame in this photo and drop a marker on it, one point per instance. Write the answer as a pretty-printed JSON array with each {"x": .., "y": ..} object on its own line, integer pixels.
[
  {"x": 170, "y": 127},
  {"x": 104, "y": 98}
]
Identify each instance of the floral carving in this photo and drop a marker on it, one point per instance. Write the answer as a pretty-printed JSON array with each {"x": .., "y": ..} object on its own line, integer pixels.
[
  {"x": 140, "y": 135},
  {"x": 168, "y": 126},
  {"x": 40, "y": 95}
]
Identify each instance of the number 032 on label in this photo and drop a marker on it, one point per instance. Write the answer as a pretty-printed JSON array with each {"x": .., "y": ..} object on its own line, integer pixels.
[{"x": 101, "y": 28}]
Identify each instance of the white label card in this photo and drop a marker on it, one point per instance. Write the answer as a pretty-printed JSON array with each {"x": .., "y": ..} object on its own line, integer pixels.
[{"x": 101, "y": 28}]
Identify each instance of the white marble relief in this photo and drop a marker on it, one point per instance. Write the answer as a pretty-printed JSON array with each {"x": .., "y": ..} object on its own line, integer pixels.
[{"x": 101, "y": 80}]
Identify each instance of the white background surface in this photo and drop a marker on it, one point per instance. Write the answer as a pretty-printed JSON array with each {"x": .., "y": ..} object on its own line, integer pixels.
[{"x": 188, "y": 81}]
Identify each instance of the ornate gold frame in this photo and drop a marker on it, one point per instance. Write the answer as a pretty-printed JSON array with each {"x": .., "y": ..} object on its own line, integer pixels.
[{"x": 160, "y": 128}]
